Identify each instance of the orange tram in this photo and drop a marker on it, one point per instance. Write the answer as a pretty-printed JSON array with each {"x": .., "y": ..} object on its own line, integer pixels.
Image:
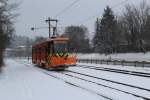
[{"x": 53, "y": 54}]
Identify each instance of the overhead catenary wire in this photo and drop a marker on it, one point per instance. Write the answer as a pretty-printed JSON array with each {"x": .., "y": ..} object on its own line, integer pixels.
[
  {"x": 58, "y": 14},
  {"x": 118, "y": 4},
  {"x": 66, "y": 8},
  {"x": 96, "y": 15},
  {"x": 85, "y": 20}
]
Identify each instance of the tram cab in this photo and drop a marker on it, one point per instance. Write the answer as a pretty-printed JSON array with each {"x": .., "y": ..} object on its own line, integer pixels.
[{"x": 54, "y": 53}]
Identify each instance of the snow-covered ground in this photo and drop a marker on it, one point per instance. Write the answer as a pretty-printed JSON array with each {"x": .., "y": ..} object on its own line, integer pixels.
[
  {"x": 120, "y": 67},
  {"x": 127, "y": 79},
  {"x": 21, "y": 80},
  {"x": 119, "y": 56}
]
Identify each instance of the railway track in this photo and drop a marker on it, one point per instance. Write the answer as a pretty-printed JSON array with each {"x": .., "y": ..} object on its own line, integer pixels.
[
  {"x": 106, "y": 97},
  {"x": 78, "y": 86},
  {"x": 132, "y": 86},
  {"x": 135, "y": 73},
  {"x": 67, "y": 82},
  {"x": 146, "y": 98},
  {"x": 72, "y": 84}
]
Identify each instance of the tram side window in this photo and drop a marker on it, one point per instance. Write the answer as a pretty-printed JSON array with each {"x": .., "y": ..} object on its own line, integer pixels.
[
  {"x": 36, "y": 51},
  {"x": 32, "y": 50},
  {"x": 39, "y": 49},
  {"x": 43, "y": 50}
]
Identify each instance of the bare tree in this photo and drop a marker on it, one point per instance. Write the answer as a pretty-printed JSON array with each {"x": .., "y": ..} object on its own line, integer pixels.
[
  {"x": 134, "y": 23},
  {"x": 6, "y": 25},
  {"x": 77, "y": 38}
]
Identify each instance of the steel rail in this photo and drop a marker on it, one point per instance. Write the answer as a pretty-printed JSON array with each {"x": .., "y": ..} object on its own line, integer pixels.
[
  {"x": 91, "y": 91},
  {"x": 107, "y": 86},
  {"x": 109, "y": 80},
  {"x": 69, "y": 83},
  {"x": 135, "y": 73}
]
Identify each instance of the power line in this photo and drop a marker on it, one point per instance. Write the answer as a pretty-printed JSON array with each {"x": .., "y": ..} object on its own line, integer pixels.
[
  {"x": 45, "y": 27},
  {"x": 66, "y": 8},
  {"x": 122, "y": 2},
  {"x": 94, "y": 16},
  {"x": 89, "y": 18}
]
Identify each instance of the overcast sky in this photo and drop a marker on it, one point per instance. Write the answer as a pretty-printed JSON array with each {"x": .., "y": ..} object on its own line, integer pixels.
[{"x": 33, "y": 13}]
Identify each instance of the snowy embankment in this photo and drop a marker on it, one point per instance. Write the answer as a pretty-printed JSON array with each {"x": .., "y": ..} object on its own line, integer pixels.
[{"x": 119, "y": 56}]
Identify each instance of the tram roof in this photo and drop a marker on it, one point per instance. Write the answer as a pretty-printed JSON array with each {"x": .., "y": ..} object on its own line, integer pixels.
[
  {"x": 58, "y": 39},
  {"x": 52, "y": 39}
]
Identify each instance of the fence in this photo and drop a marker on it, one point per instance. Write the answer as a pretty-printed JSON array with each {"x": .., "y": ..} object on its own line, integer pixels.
[
  {"x": 111, "y": 62},
  {"x": 116, "y": 62}
]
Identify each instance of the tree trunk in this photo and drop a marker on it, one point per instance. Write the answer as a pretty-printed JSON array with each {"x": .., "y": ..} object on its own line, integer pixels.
[{"x": 1, "y": 58}]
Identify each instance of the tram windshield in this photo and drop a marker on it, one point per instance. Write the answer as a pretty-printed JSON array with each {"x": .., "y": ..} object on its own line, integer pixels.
[{"x": 60, "y": 47}]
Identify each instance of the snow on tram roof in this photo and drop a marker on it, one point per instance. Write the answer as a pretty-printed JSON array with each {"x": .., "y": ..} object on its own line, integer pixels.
[
  {"x": 53, "y": 39},
  {"x": 58, "y": 39}
]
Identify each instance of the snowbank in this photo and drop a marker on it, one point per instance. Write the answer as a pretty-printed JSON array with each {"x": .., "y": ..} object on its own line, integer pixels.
[{"x": 119, "y": 56}]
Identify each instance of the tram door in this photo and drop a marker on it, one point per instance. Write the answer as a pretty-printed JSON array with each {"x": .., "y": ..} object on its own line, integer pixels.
[{"x": 49, "y": 50}]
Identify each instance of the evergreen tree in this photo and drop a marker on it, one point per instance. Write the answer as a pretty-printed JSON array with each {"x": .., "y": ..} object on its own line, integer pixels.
[
  {"x": 105, "y": 39},
  {"x": 96, "y": 37}
]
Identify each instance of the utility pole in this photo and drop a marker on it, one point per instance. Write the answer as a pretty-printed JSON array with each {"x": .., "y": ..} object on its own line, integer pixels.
[{"x": 49, "y": 20}]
